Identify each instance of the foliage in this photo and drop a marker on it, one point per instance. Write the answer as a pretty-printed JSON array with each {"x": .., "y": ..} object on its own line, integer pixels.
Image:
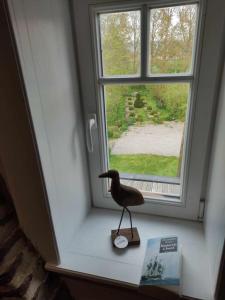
[
  {"x": 172, "y": 33},
  {"x": 115, "y": 107},
  {"x": 120, "y": 35},
  {"x": 139, "y": 118},
  {"x": 173, "y": 99},
  {"x": 145, "y": 164},
  {"x": 114, "y": 132},
  {"x": 139, "y": 102},
  {"x": 171, "y": 40},
  {"x": 173, "y": 96}
]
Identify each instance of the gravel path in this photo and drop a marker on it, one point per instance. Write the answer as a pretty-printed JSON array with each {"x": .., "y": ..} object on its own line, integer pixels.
[{"x": 163, "y": 139}]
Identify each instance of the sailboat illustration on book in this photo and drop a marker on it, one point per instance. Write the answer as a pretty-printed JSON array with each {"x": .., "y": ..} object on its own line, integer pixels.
[
  {"x": 155, "y": 269},
  {"x": 162, "y": 263}
]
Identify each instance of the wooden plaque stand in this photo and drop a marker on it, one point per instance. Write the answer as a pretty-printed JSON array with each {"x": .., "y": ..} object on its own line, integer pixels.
[{"x": 127, "y": 233}]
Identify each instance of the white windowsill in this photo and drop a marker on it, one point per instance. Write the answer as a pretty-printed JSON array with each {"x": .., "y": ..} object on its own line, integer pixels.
[{"x": 90, "y": 253}]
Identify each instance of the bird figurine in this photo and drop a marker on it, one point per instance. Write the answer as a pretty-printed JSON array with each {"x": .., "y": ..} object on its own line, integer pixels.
[{"x": 123, "y": 195}]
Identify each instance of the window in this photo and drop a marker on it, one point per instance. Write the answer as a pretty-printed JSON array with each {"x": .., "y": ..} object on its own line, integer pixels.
[
  {"x": 143, "y": 85},
  {"x": 145, "y": 116}
]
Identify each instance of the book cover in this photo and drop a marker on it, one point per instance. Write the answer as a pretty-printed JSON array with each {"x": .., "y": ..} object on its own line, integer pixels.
[{"x": 162, "y": 262}]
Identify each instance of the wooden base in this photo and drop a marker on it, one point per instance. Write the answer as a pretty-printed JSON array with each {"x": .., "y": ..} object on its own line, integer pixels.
[{"x": 127, "y": 233}]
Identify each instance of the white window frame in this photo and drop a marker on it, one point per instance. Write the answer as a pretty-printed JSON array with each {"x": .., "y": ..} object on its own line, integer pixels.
[{"x": 194, "y": 162}]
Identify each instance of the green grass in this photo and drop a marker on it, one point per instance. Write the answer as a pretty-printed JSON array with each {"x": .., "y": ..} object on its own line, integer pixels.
[{"x": 145, "y": 164}]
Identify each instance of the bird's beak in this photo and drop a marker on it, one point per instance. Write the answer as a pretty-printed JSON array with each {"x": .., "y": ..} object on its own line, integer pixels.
[{"x": 104, "y": 175}]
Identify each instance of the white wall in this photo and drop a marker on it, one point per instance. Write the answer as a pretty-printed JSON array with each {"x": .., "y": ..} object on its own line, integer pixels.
[
  {"x": 44, "y": 38},
  {"x": 215, "y": 212},
  {"x": 19, "y": 165}
]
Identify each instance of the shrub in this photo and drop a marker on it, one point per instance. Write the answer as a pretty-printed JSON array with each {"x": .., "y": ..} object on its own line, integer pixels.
[
  {"x": 132, "y": 114},
  {"x": 139, "y": 118},
  {"x": 173, "y": 98},
  {"x": 131, "y": 121},
  {"x": 118, "y": 123},
  {"x": 138, "y": 103},
  {"x": 154, "y": 112},
  {"x": 113, "y": 132},
  {"x": 131, "y": 108},
  {"x": 156, "y": 119},
  {"x": 116, "y": 134},
  {"x": 177, "y": 111},
  {"x": 130, "y": 102},
  {"x": 160, "y": 103},
  {"x": 149, "y": 107}
]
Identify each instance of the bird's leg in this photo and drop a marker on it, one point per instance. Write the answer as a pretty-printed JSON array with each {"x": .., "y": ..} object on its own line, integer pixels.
[
  {"x": 118, "y": 230},
  {"x": 131, "y": 227}
]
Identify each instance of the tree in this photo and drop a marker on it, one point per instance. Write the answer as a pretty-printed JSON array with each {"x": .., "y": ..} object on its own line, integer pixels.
[
  {"x": 172, "y": 34},
  {"x": 120, "y": 39}
]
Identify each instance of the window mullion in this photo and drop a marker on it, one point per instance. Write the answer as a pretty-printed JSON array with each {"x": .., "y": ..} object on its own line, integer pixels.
[{"x": 144, "y": 40}]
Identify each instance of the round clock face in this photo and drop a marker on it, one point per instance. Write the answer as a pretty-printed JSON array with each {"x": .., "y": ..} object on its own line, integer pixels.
[{"x": 121, "y": 242}]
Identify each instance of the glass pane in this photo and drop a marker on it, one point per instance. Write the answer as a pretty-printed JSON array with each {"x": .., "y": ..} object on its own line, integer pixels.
[
  {"x": 172, "y": 31},
  {"x": 120, "y": 43},
  {"x": 148, "y": 188},
  {"x": 145, "y": 127}
]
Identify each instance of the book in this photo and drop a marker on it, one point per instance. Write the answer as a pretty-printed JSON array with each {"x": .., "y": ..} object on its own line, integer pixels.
[{"x": 162, "y": 264}]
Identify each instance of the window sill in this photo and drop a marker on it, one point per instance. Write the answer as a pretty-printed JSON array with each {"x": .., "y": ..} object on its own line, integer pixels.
[{"x": 91, "y": 255}]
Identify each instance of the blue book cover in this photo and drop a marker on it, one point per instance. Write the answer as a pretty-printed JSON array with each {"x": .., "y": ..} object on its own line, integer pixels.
[{"x": 162, "y": 262}]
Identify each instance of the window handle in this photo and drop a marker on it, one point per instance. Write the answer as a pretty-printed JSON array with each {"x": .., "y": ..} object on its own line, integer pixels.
[{"x": 91, "y": 124}]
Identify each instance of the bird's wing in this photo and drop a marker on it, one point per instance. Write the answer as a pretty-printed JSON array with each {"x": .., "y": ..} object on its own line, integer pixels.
[
  {"x": 128, "y": 189},
  {"x": 130, "y": 196}
]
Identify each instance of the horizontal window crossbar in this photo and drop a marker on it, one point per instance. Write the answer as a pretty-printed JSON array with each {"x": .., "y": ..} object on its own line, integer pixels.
[
  {"x": 152, "y": 79},
  {"x": 151, "y": 178}
]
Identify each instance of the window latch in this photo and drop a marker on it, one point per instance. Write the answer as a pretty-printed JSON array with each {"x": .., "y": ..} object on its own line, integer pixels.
[{"x": 90, "y": 126}]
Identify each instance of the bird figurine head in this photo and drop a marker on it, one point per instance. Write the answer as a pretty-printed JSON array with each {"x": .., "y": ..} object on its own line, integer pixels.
[{"x": 110, "y": 174}]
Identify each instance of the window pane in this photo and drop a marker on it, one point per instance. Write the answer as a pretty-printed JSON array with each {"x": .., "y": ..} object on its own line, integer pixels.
[
  {"x": 148, "y": 188},
  {"x": 172, "y": 31},
  {"x": 145, "y": 127},
  {"x": 120, "y": 43}
]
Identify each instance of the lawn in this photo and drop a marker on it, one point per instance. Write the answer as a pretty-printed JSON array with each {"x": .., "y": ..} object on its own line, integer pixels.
[{"x": 145, "y": 164}]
